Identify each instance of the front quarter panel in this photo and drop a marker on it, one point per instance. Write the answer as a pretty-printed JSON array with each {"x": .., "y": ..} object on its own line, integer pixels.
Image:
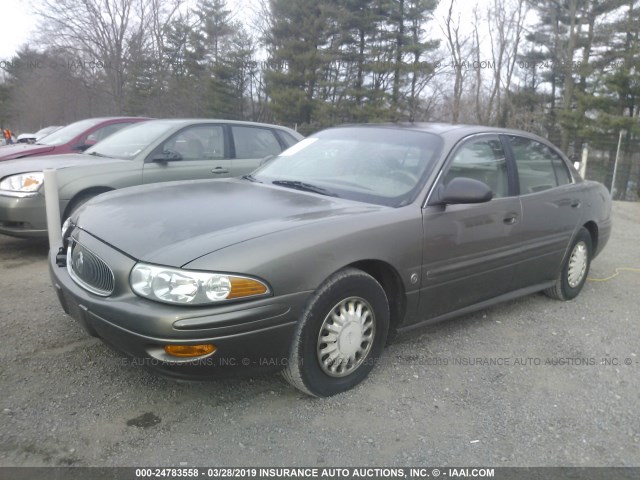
[{"x": 111, "y": 175}]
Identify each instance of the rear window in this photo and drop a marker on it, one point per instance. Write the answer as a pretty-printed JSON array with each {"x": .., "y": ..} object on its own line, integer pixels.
[
  {"x": 254, "y": 142},
  {"x": 539, "y": 167}
]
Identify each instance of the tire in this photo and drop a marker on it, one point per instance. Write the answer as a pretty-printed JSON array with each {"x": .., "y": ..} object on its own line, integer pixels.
[
  {"x": 349, "y": 294},
  {"x": 575, "y": 268}
]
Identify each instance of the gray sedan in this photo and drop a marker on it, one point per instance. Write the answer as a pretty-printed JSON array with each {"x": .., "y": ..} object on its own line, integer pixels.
[
  {"x": 149, "y": 152},
  {"x": 316, "y": 260}
]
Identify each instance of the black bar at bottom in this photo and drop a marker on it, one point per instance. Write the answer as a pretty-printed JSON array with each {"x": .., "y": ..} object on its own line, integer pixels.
[{"x": 320, "y": 473}]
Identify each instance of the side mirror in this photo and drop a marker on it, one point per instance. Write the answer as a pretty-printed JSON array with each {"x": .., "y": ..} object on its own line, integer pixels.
[
  {"x": 165, "y": 156},
  {"x": 465, "y": 190}
]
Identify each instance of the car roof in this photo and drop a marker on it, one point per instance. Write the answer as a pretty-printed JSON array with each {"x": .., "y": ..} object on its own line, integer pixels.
[
  {"x": 438, "y": 128},
  {"x": 450, "y": 131},
  {"x": 105, "y": 119},
  {"x": 191, "y": 121}
]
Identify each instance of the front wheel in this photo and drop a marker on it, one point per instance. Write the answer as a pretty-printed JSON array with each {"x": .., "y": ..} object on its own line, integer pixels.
[
  {"x": 575, "y": 268},
  {"x": 340, "y": 336}
]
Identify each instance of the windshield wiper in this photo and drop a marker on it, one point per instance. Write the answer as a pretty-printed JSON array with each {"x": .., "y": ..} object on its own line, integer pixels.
[{"x": 307, "y": 187}]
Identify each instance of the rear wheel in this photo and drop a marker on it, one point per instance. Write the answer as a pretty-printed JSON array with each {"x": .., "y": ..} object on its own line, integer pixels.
[
  {"x": 575, "y": 268},
  {"x": 340, "y": 336}
]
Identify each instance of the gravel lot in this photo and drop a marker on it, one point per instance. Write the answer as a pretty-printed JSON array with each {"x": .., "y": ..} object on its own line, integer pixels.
[{"x": 69, "y": 400}]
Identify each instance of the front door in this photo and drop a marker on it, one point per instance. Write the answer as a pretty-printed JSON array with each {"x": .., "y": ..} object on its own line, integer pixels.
[{"x": 470, "y": 251}]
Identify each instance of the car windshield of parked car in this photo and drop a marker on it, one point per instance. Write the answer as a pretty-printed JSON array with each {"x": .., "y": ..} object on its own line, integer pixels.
[
  {"x": 381, "y": 165},
  {"x": 125, "y": 144},
  {"x": 68, "y": 133},
  {"x": 45, "y": 131}
]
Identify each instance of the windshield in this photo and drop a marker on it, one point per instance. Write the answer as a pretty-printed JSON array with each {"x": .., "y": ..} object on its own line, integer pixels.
[
  {"x": 381, "y": 165},
  {"x": 130, "y": 141},
  {"x": 45, "y": 131},
  {"x": 68, "y": 133}
]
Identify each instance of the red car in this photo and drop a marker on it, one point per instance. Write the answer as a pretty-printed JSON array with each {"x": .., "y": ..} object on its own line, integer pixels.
[{"x": 73, "y": 138}]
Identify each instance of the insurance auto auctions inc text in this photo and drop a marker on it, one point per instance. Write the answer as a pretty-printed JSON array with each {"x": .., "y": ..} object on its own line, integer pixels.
[{"x": 354, "y": 472}]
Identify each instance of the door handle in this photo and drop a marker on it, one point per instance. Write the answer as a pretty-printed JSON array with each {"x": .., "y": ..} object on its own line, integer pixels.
[
  {"x": 218, "y": 170},
  {"x": 510, "y": 219},
  {"x": 575, "y": 203}
]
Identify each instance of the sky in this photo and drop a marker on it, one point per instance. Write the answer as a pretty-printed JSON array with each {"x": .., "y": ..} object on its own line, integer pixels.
[{"x": 17, "y": 23}]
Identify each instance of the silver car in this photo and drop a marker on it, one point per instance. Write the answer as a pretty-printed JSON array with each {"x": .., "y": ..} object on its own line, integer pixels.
[
  {"x": 148, "y": 152},
  {"x": 312, "y": 263}
]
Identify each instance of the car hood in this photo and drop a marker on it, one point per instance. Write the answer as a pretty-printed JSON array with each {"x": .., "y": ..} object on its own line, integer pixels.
[
  {"x": 38, "y": 164},
  {"x": 9, "y": 152},
  {"x": 174, "y": 223}
]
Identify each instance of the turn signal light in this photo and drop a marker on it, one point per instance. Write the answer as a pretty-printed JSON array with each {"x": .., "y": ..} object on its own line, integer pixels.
[
  {"x": 189, "y": 350},
  {"x": 246, "y": 287}
]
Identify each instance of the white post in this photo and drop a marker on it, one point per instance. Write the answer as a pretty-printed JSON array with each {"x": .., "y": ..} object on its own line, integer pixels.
[
  {"x": 52, "y": 202},
  {"x": 583, "y": 163},
  {"x": 615, "y": 165}
]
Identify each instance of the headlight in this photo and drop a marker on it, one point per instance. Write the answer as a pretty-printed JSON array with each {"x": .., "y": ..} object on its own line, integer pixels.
[
  {"x": 23, "y": 182},
  {"x": 188, "y": 287}
]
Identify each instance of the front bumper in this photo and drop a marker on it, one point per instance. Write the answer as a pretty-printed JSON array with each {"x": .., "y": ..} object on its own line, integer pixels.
[
  {"x": 23, "y": 217},
  {"x": 249, "y": 336}
]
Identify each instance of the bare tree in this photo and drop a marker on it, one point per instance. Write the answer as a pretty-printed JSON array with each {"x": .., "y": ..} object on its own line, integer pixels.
[
  {"x": 456, "y": 43},
  {"x": 108, "y": 33},
  {"x": 504, "y": 23}
]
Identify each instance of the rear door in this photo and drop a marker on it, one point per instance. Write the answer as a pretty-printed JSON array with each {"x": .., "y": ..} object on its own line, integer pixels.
[
  {"x": 551, "y": 208},
  {"x": 195, "y": 152},
  {"x": 470, "y": 250}
]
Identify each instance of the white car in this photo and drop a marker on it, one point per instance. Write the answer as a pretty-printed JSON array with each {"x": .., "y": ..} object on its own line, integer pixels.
[
  {"x": 34, "y": 137},
  {"x": 26, "y": 138}
]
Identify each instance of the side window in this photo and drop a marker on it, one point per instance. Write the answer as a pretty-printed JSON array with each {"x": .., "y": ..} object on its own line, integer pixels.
[
  {"x": 252, "y": 142},
  {"x": 482, "y": 159},
  {"x": 539, "y": 167},
  {"x": 104, "y": 132},
  {"x": 202, "y": 142}
]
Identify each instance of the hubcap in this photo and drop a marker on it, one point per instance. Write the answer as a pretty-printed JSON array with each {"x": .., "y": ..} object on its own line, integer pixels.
[
  {"x": 577, "y": 264},
  {"x": 346, "y": 337}
]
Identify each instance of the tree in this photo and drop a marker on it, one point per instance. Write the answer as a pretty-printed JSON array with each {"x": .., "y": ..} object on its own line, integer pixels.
[
  {"x": 456, "y": 43},
  {"x": 46, "y": 88},
  {"x": 109, "y": 32},
  {"x": 296, "y": 41},
  {"x": 615, "y": 103},
  {"x": 563, "y": 46},
  {"x": 504, "y": 21}
]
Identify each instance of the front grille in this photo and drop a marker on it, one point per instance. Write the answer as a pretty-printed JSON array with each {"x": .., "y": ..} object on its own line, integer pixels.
[{"x": 88, "y": 270}]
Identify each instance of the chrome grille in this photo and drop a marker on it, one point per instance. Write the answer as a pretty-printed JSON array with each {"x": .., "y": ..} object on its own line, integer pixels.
[{"x": 88, "y": 270}]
